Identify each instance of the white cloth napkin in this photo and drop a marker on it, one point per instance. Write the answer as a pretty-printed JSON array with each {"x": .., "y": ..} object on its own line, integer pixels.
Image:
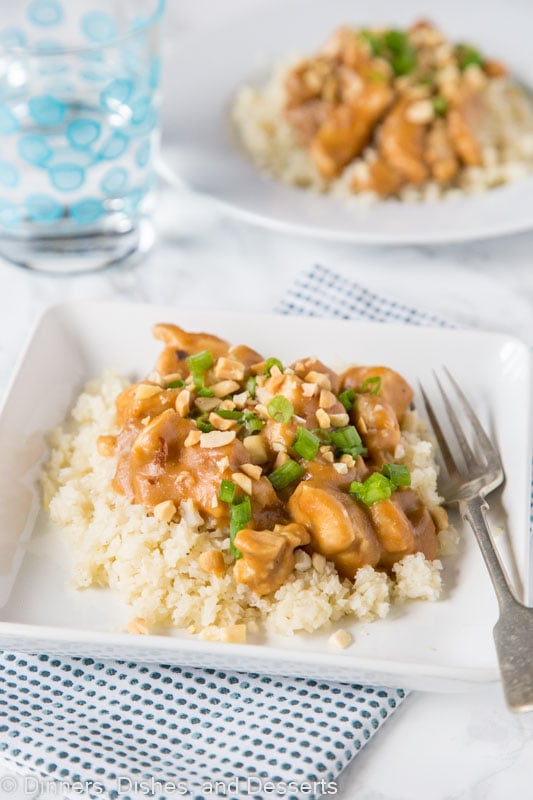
[{"x": 125, "y": 730}]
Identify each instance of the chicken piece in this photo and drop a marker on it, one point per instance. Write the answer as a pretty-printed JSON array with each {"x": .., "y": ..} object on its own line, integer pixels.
[
  {"x": 304, "y": 366},
  {"x": 137, "y": 402},
  {"x": 440, "y": 155},
  {"x": 307, "y": 118},
  {"x": 378, "y": 425},
  {"x": 462, "y": 121},
  {"x": 402, "y": 144},
  {"x": 324, "y": 472},
  {"x": 267, "y": 556},
  {"x": 394, "y": 389},
  {"x": 349, "y": 128},
  {"x": 378, "y": 177},
  {"x": 180, "y": 344},
  {"x": 306, "y": 80},
  {"x": 246, "y": 356},
  {"x": 340, "y": 529},
  {"x": 279, "y": 436},
  {"x": 267, "y": 508},
  {"x": 154, "y": 465},
  {"x": 403, "y": 526}
]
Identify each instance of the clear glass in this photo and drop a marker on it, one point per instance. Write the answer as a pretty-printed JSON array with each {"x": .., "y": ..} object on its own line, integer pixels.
[{"x": 79, "y": 130}]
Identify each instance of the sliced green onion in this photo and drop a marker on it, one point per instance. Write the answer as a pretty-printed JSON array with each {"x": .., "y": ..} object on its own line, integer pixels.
[
  {"x": 440, "y": 105},
  {"x": 252, "y": 423},
  {"x": 404, "y": 62},
  {"x": 344, "y": 438},
  {"x": 204, "y": 391},
  {"x": 240, "y": 516},
  {"x": 289, "y": 472},
  {"x": 272, "y": 362},
  {"x": 251, "y": 383},
  {"x": 374, "y": 42},
  {"x": 347, "y": 398},
  {"x": 225, "y": 413},
  {"x": 227, "y": 491},
  {"x": 200, "y": 362},
  {"x": 396, "y": 41},
  {"x": 371, "y": 385},
  {"x": 377, "y": 487},
  {"x": 398, "y": 474},
  {"x": 280, "y": 409},
  {"x": 177, "y": 384},
  {"x": 205, "y": 427},
  {"x": 306, "y": 444},
  {"x": 467, "y": 56}
]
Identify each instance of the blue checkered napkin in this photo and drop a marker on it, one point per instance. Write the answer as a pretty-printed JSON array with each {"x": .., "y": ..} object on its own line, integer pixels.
[{"x": 117, "y": 724}]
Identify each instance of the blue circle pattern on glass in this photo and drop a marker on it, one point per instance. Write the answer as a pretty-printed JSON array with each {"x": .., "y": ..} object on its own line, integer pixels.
[
  {"x": 67, "y": 177},
  {"x": 8, "y": 121},
  {"x": 114, "y": 181},
  {"x": 66, "y": 163},
  {"x": 142, "y": 156},
  {"x": 34, "y": 149},
  {"x": 116, "y": 93},
  {"x": 114, "y": 146},
  {"x": 98, "y": 27},
  {"x": 9, "y": 176},
  {"x": 83, "y": 132},
  {"x": 47, "y": 110},
  {"x": 45, "y": 13},
  {"x": 43, "y": 209},
  {"x": 87, "y": 211}
]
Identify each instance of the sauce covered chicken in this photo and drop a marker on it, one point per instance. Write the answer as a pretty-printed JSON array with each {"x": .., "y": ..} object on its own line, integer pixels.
[
  {"x": 283, "y": 457},
  {"x": 413, "y": 96}
]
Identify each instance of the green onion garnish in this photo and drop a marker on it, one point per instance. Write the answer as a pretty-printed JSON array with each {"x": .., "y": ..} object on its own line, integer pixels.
[
  {"x": 227, "y": 414},
  {"x": 440, "y": 105},
  {"x": 227, "y": 491},
  {"x": 205, "y": 427},
  {"x": 347, "y": 398},
  {"x": 240, "y": 516},
  {"x": 252, "y": 423},
  {"x": 272, "y": 362},
  {"x": 398, "y": 474},
  {"x": 374, "y": 42},
  {"x": 280, "y": 409},
  {"x": 177, "y": 384},
  {"x": 345, "y": 438},
  {"x": 250, "y": 385},
  {"x": 306, "y": 444},
  {"x": 376, "y": 487},
  {"x": 289, "y": 472},
  {"x": 371, "y": 385},
  {"x": 467, "y": 56},
  {"x": 200, "y": 362},
  {"x": 396, "y": 41},
  {"x": 204, "y": 391}
]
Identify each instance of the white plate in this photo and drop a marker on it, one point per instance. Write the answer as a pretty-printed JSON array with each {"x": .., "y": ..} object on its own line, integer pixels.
[
  {"x": 443, "y": 645},
  {"x": 204, "y": 72}
]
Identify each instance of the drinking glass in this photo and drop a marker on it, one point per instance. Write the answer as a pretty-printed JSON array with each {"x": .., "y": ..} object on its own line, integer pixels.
[{"x": 79, "y": 130}]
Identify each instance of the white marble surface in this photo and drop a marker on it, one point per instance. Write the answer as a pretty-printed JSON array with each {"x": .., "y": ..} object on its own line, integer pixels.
[{"x": 437, "y": 746}]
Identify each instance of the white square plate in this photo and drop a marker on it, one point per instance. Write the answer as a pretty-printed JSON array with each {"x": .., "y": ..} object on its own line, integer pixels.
[{"x": 443, "y": 645}]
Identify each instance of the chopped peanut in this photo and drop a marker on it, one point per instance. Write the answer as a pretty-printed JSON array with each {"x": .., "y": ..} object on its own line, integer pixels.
[
  {"x": 341, "y": 468},
  {"x": 320, "y": 378},
  {"x": 220, "y": 423},
  {"x": 207, "y": 404},
  {"x": 309, "y": 389},
  {"x": 327, "y": 399},
  {"x": 243, "y": 481},
  {"x": 323, "y": 418},
  {"x": 253, "y": 470},
  {"x": 183, "y": 403},
  {"x": 232, "y": 634},
  {"x": 165, "y": 511},
  {"x": 229, "y": 369},
  {"x": 339, "y": 420},
  {"x": 106, "y": 445},
  {"x": 146, "y": 390},
  {"x": 212, "y": 561},
  {"x": 193, "y": 437},
  {"x": 224, "y": 388},
  {"x": 340, "y": 639},
  {"x": 216, "y": 438},
  {"x": 256, "y": 448},
  {"x": 139, "y": 626}
]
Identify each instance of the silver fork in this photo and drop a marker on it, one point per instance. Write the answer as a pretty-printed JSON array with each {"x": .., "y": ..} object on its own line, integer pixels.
[{"x": 472, "y": 476}]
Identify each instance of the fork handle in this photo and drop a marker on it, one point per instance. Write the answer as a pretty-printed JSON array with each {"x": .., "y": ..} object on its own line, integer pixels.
[{"x": 513, "y": 632}]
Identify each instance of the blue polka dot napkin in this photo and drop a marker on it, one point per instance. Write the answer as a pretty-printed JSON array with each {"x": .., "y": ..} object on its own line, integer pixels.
[{"x": 123, "y": 730}]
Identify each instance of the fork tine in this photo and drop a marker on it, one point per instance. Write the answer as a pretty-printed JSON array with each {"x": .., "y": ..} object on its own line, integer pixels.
[
  {"x": 457, "y": 429},
  {"x": 448, "y": 459},
  {"x": 491, "y": 451}
]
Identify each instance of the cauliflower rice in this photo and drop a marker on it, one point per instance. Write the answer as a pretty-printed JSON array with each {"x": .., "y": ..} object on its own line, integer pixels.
[{"x": 153, "y": 565}]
